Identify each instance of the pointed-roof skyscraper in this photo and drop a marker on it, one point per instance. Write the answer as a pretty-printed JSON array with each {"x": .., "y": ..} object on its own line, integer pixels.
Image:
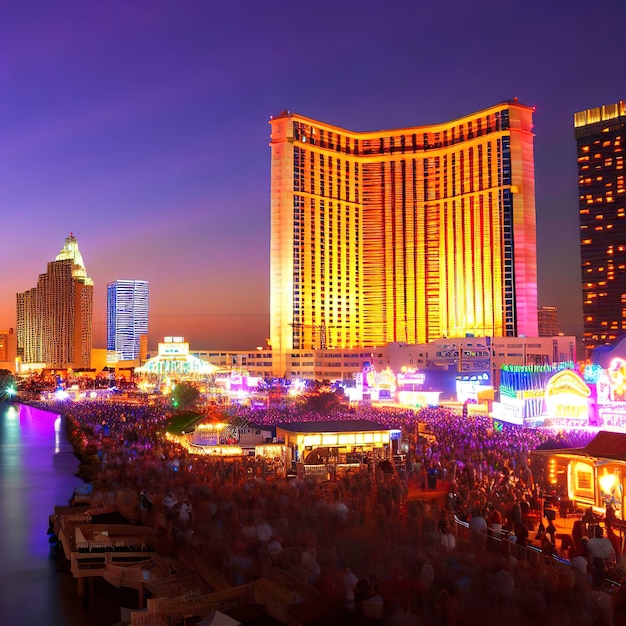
[
  {"x": 70, "y": 251},
  {"x": 55, "y": 319}
]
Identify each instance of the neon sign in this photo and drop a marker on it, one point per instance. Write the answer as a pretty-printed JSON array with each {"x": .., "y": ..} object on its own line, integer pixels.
[
  {"x": 567, "y": 397},
  {"x": 617, "y": 375},
  {"x": 411, "y": 378}
]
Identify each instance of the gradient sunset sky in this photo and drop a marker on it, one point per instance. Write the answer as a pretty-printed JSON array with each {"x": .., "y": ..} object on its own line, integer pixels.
[{"x": 141, "y": 126}]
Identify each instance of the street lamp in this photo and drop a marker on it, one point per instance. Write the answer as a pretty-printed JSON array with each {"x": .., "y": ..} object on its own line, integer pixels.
[
  {"x": 607, "y": 483},
  {"x": 10, "y": 391}
]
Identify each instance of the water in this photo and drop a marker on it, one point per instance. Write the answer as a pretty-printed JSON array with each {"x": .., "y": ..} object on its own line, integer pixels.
[{"x": 37, "y": 470}]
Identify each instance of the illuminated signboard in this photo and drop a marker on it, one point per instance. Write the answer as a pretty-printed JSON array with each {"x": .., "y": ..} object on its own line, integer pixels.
[
  {"x": 411, "y": 378},
  {"x": 567, "y": 399},
  {"x": 613, "y": 416},
  {"x": 616, "y": 373},
  {"x": 381, "y": 380},
  {"x": 510, "y": 410},
  {"x": 170, "y": 348},
  {"x": 418, "y": 398},
  {"x": 467, "y": 390}
]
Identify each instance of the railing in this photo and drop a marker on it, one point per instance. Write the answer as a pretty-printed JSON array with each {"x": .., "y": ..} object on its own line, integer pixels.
[
  {"x": 203, "y": 568},
  {"x": 290, "y": 582},
  {"x": 132, "y": 573},
  {"x": 197, "y": 604},
  {"x": 145, "y": 618},
  {"x": 67, "y": 524},
  {"x": 85, "y": 564},
  {"x": 100, "y": 510},
  {"x": 174, "y": 585},
  {"x": 531, "y": 554},
  {"x": 285, "y": 559},
  {"x": 528, "y": 553},
  {"x": 110, "y": 546}
]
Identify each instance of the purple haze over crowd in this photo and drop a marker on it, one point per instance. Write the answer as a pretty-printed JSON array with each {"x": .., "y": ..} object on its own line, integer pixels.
[{"x": 142, "y": 127}]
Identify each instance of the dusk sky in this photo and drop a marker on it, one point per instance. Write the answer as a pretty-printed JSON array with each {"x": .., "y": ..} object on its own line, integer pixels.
[{"x": 141, "y": 126}]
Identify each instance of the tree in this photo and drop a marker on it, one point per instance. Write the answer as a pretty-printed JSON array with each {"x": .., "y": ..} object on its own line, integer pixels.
[
  {"x": 184, "y": 396},
  {"x": 324, "y": 402}
]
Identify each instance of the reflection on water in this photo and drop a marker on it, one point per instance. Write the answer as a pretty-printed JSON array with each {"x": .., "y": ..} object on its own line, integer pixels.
[
  {"x": 37, "y": 469},
  {"x": 57, "y": 434}
]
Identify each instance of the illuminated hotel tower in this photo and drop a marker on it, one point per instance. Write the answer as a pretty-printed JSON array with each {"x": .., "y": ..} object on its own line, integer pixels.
[
  {"x": 127, "y": 317},
  {"x": 54, "y": 319},
  {"x": 402, "y": 235},
  {"x": 600, "y": 135}
]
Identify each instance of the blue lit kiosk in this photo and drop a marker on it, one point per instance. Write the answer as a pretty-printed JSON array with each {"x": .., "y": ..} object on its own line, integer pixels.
[{"x": 324, "y": 448}]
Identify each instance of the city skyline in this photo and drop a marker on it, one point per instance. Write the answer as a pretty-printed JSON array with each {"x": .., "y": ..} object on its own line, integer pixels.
[{"x": 143, "y": 129}]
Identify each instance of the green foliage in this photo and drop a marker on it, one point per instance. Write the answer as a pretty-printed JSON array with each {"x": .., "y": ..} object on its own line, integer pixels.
[
  {"x": 184, "y": 396},
  {"x": 183, "y": 422},
  {"x": 324, "y": 402}
]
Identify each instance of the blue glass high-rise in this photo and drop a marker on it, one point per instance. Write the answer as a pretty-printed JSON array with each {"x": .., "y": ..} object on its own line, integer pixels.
[{"x": 127, "y": 317}]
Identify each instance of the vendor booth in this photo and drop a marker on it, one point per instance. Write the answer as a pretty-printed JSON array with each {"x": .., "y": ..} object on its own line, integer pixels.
[
  {"x": 323, "y": 448},
  {"x": 596, "y": 473}
]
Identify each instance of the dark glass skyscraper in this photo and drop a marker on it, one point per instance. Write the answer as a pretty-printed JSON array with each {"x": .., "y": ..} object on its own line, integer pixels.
[
  {"x": 602, "y": 202},
  {"x": 127, "y": 317}
]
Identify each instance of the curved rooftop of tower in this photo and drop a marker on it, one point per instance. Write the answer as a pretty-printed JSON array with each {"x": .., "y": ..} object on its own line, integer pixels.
[{"x": 70, "y": 251}]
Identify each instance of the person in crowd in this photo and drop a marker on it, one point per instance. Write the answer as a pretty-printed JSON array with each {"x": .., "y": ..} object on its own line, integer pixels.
[
  {"x": 275, "y": 549},
  {"x": 610, "y": 517},
  {"x": 577, "y": 532},
  {"x": 588, "y": 519},
  {"x": 599, "y": 553},
  {"x": 578, "y": 555},
  {"x": 521, "y": 534},
  {"x": 478, "y": 528},
  {"x": 350, "y": 582},
  {"x": 495, "y": 522},
  {"x": 615, "y": 540},
  {"x": 448, "y": 540},
  {"x": 551, "y": 532},
  {"x": 309, "y": 565}
]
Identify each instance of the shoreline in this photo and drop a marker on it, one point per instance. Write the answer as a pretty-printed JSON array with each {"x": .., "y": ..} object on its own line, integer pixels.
[{"x": 37, "y": 472}]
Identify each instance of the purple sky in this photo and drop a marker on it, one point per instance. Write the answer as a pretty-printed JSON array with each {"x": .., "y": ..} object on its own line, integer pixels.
[{"x": 142, "y": 127}]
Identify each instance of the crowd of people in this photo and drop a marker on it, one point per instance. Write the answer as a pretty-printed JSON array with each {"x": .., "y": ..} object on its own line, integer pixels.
[{"x": 365, "y": 524}]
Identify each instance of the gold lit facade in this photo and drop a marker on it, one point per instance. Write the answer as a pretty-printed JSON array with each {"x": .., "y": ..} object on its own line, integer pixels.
[
  {"x": 402, "y": 235},
  {"x": 54, "y": 319},
  {"x": 600, "y": 135}
]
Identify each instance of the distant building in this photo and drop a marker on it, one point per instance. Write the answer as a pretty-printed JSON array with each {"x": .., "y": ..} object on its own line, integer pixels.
[
  {"x": 8, "y": 348},
  {"x": 600, "y": 135},
  {"x": 465, "y": 356},
  {"x": 548, "y": 321},
  {"x": 174, "y": 358},
  {"x": 401, "y": 235},
  {"x": 55, "y": 319},
  {"x": 127, "y": 318}
]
